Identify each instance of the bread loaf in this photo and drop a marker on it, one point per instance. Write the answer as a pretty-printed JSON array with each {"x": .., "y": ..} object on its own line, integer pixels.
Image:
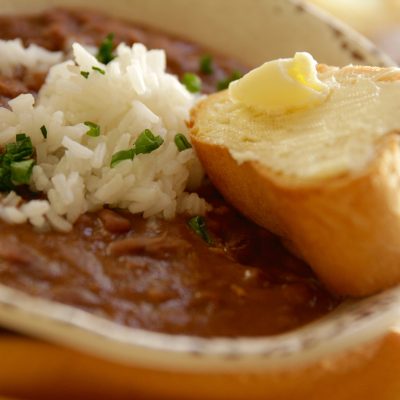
[{"x": 326, "y": 179}]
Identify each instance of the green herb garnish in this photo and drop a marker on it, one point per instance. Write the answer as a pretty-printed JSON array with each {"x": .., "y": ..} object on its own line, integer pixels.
[
  {"x": 43, "y": 129},
  {"x": 147, "y": 142},
  {"x": 5, "y": 179},
  {"x": 99, "y": 70},
  {"x": 85, "y": 74},
  {"x": 22, "y": 149},
  {"x": 181, "y": 142},
  {"x": 122, "y": 156},
  {"x": 192, "y": 82},
  {"x": 199, "y": 226},
  {"x": 21, "y": 171},
  {"x": 94, "y": 129},
  {"x": 224, "y": 83},
  {"x": 16, "y": 163},
  {"x": 206, "y": 65},
  {"x": 105, "y": 53}
]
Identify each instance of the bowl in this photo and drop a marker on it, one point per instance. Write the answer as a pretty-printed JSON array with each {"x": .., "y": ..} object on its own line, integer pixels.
[{"x": 353, "y": 352}]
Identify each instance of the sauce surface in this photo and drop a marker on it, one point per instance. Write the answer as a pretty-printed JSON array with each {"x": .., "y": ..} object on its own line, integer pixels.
[{"x": 155, "y": 274}]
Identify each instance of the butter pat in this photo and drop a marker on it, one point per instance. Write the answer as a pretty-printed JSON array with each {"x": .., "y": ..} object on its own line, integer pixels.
[{"x": 281, "y": 86}]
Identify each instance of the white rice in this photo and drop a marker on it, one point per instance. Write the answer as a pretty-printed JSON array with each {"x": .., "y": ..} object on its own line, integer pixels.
[
  {"x": 34, "y": 58},
  {"x": 72, "y": 168}
]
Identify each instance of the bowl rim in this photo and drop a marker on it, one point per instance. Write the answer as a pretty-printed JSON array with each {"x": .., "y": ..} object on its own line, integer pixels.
[
  {"x": 346, "y": 30},
  {"x": 351, "y": 325}
]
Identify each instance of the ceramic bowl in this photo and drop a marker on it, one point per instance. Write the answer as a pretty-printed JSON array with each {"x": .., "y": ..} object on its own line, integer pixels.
[{"x": 126, "y": 361}]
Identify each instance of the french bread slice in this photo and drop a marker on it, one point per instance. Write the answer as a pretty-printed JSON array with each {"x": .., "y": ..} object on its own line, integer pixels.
[{"x": 326, "y": 179}]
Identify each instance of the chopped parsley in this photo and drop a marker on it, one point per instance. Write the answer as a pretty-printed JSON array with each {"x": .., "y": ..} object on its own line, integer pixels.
[
  {"x": 16, "y": 163},
  {"x": 85, "y": 74},
  {"x": 181, "y": 142},
  {"x": 94, "y": 129},
  {"x": 192, "y": 82},
  {"x": 199, "y": 226},
  {"x": 122, "y": 156},
  {"x": 43, "y": 129},
  {"x": 105, "y": 53},
  {"x": 147, "y": 142},
  {"x": 206, "y": 65},
  {"x": 224, "y": 83},
  {"x": 99, "y": 70}
]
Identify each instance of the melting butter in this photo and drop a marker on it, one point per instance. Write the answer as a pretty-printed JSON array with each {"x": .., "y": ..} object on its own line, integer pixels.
[
  {"x": 281, "y": 86},
  {"x": 335, "y": 138}
]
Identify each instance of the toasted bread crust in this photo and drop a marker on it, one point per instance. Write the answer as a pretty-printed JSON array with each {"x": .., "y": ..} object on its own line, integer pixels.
[{"x": 347, "y": 228}]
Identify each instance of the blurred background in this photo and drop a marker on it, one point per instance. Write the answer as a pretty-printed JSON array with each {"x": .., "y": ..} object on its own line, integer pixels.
[{"x": 379, "y": 20}]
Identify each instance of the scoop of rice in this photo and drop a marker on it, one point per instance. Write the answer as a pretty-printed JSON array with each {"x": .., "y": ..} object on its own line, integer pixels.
[{"x": 131, "y": 93}]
